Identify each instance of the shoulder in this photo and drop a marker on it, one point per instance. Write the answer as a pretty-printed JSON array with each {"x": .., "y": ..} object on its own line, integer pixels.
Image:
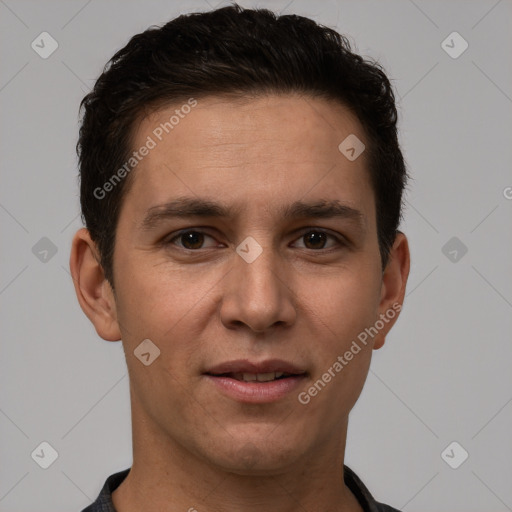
[
  {"x": 103, "y": 502},
  {"x": 363, "y": 495},
  {"x": 381, "y": 507}
]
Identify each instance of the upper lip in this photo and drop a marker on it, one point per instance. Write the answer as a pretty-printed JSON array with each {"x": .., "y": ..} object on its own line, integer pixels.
[{"x": 246, "y": 366}]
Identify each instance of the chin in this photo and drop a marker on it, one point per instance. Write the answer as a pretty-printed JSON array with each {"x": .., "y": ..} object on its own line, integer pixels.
[{"x": 253, "y": 457}]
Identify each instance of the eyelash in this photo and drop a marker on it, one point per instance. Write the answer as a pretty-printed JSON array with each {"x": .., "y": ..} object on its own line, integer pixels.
[{"x": 339, "y": 240}]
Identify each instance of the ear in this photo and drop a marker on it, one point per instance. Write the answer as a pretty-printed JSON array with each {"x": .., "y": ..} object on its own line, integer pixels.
[
  {"x": 394, "y": 280},
  {"x": 93, "y": 291}
]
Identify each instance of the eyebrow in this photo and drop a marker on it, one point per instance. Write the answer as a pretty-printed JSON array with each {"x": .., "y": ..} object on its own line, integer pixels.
[{"x": 183, "y": 207}]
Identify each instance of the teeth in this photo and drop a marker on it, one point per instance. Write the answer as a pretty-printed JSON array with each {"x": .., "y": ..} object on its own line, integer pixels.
[
  {"x": 264, "y": 377},
  {"x": 260, "y": 377}
]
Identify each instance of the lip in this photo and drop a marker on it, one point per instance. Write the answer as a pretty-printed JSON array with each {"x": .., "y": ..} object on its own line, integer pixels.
[{"x": 255, "y": 392}]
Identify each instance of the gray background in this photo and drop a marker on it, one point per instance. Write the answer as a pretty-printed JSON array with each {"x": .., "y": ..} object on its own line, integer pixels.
[{"x": 444, "y": 374}]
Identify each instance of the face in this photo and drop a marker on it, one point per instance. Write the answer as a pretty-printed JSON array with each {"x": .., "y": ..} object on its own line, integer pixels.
[{"x": 247, "y": 243}]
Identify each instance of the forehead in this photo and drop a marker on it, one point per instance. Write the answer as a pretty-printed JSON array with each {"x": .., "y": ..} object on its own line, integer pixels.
[
  {"x": 234, "y": 126},
  {"x": 250, "y": 151}
]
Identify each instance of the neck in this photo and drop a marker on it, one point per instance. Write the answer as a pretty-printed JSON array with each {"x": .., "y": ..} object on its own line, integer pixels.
[{"x": 165, "y": 476}]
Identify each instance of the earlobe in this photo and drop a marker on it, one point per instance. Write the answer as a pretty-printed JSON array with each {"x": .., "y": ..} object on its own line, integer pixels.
[
  {"x": 92, "y": 289},
  {"x": 394, "y": 281}
]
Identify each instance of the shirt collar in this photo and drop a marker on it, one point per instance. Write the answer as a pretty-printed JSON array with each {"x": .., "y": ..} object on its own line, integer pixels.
[{"x": 104, "y": 501}]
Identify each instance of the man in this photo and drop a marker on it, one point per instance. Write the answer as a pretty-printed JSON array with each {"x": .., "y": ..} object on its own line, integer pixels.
[{"x": 241, "y": 185}]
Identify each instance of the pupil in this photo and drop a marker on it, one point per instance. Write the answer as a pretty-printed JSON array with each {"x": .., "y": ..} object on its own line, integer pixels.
[
  {"x": 192, "y": 238},
  {"x": 315, "y": 237}
]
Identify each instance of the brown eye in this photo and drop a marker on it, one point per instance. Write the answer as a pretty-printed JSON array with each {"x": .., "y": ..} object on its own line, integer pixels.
[
  {"x": 315, "y": 239},
  {"x": 189, "y": 240},
  {"x": 192, "y": 239}
]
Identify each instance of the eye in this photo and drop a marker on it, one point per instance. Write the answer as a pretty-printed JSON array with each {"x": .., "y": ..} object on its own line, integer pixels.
[
  {"x": 190, "y": 240},
  {"x": 193, "y": 239},
  {"x": 316, "y": 239}
]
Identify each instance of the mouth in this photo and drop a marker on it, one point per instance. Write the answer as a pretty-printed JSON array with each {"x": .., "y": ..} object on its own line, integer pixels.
[
  {"x": 255, "y": 377},
  {"x": 256, "y": 383}
]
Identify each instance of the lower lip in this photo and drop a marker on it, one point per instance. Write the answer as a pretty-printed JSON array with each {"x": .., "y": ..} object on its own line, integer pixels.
[{"x": 256, "y": 392}]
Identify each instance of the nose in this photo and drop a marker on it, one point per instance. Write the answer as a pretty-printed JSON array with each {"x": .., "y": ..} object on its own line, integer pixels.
[{"x": 257, "y": 295}]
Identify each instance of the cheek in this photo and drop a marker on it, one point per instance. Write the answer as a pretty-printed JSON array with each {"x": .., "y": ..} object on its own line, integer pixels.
[
  {"x": 166, "y": 307},
  {"x": 338, "y": 315},
  {"x": 344, "y": 305},
  {"x": 156, "y": 298},
  {"x": 347, "y": 306},
  {"x": 172, "y": 308}
]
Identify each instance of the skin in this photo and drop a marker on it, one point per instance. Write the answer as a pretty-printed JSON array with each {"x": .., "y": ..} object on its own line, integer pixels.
[{"x": 302, "y": 300}]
